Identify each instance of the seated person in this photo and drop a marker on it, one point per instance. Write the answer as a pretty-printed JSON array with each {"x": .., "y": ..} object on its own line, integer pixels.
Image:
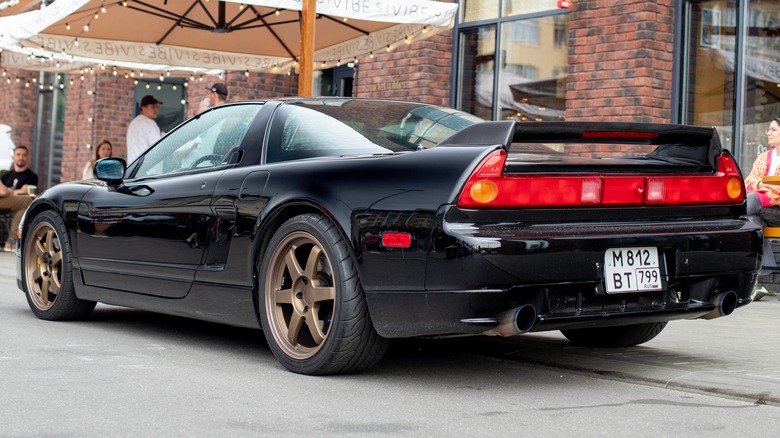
[
  {"x": 20, "y": 177},
  {"x": 14, "y": 191},
  {"x": 763, "y": 199},
  {"x": 17, "y": 204}
]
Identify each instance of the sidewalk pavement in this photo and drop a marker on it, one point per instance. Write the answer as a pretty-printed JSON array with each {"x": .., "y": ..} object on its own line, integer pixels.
[{"x": 736, "y": 356}]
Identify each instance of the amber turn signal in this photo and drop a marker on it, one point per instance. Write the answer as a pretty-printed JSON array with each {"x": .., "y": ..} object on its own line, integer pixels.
[
  {"x": 734, "y": 188},
  {"x": 484, "y": 191}
]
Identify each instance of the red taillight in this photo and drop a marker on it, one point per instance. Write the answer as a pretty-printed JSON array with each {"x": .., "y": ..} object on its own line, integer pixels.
[{"x": 488, "y": 187}]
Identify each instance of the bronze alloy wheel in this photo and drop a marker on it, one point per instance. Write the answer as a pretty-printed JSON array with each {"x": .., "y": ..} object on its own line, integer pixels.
[
  {"x": 43, "y": 266},
  {"x": 47, "y": 271},
  {"x": 301, "y": 301},
  {"x": 312, "y": 307}
]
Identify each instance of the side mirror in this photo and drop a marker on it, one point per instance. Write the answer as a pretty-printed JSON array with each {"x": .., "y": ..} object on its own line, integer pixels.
[{"x": 111, "y": 170}]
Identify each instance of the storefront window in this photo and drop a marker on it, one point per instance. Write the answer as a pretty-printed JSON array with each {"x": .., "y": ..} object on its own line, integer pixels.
[
  {"x": 533, "y": 69},
  {"x": 518, "y": 7},
  {"x": 762, "y": 78},
  {"x": 173, "y": 98},
  {"x": 477, "y": 55},
  {"x": 710, "y": 77},
  {"x": 713, "y": 70},
  {"x": 476, "y": 10},
  {"x": 531, "y": 62}
]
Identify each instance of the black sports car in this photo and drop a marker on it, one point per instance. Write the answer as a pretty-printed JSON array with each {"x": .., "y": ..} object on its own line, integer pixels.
[{"x": 337, "y": 224}]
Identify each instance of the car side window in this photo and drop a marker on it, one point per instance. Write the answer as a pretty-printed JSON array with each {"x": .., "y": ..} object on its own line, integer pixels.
[
  {"x": 305, "y": 133},
  {"x": 202, "y": 142}
]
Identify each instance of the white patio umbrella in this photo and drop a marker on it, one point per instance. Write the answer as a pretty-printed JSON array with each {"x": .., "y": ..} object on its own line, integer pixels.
[{"x": 203, "y": 35}]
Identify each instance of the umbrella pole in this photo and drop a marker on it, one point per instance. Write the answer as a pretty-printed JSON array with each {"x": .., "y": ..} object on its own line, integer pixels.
[{"x": 308, "y": 17}]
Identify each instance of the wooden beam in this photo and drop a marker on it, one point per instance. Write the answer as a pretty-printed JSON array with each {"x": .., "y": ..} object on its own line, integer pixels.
[{"x": 308, "y": 16}]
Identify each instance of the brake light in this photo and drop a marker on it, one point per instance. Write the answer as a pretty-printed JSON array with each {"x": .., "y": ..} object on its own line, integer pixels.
[
  {"x": 617, "y": 135},
  {"x": 489, "y": 187}
]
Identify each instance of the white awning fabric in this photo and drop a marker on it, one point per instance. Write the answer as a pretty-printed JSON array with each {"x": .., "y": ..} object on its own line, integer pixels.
[{"x": 257, "y": 35}]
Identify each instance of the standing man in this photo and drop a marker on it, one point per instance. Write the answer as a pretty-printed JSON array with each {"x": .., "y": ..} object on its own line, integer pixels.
[
  {"x": 218, "y": 94},
  {"x": 143, "y": 130},
  {"x": 14, "y": 192}
]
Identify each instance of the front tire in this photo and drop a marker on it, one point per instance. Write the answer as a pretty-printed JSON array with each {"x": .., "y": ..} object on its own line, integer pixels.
[
  {"x": 312, "y": 306},
  {"x": 615, "y": 337},
  {"x": 47, "y": 271}
]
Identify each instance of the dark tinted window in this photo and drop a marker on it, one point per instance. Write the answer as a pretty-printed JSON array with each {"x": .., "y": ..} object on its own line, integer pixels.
[{"x": 335, "y": 127}]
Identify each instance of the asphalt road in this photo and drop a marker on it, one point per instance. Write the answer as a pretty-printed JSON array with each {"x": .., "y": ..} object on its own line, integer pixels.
[{"x": 131, "y": 373}]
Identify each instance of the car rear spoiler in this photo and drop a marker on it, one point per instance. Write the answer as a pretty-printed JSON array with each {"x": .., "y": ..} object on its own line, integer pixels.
[{"x": 677, "y": 143}]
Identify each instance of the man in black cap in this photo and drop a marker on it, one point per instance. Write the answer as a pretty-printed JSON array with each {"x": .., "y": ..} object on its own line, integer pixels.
[
  {"x": 218, "y": 94},
  {"x": 143, "y": 130}
]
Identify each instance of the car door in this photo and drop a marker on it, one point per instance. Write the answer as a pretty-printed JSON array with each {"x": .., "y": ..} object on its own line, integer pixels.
[{"x": 149, "y": 235}]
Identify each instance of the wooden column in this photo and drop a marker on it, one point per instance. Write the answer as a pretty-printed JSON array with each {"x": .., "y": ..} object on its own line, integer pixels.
[{"x": 308, "y": 16}]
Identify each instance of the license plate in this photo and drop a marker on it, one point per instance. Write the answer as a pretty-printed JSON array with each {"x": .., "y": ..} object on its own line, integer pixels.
[{"x": 632, "y": 269}]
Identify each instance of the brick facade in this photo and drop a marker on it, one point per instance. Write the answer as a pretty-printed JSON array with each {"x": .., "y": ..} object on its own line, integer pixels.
[
  {"x": 99, "y": 107},
  {"x": 18, "y": 105},
  {"x": 620, "y": 60},
  {"x": 418, "y": 71}
]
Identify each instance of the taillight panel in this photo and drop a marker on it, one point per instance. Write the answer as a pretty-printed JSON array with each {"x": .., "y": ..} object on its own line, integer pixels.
[{"x": 488, "y": 187}]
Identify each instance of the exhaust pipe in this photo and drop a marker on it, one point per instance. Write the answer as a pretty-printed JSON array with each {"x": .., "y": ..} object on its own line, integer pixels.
[
  {"x": 725, "y": 304},
  {"x": 514, "y": 322}
]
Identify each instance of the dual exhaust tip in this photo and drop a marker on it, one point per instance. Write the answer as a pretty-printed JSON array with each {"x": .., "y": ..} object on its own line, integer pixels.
[{"x": 522, "y": 319}]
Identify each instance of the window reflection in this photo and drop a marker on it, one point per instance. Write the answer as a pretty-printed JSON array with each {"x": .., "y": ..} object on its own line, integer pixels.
[
  {"x": 762, "y": 78},
  {"x": 531, "y": 62},
  {"x": 710, "y": 78},
  {"x": 477, "y": 55},
  {"x": 534, "y": 67}
]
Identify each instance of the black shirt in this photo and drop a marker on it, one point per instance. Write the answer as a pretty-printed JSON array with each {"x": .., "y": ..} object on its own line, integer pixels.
[{"x": 15, "y": 180}]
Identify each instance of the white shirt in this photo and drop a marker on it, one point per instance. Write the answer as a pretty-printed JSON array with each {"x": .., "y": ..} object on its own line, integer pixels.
[
  {"x": 775, "y": 163},
  {"x": 142, "y": 133}
]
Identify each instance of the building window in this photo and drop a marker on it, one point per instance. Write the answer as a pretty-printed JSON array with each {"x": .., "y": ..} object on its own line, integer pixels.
[
  {"x": 532, "y": 52},
  {"x": 739, "y": 95},
  {"x": 171, "y": 93}
]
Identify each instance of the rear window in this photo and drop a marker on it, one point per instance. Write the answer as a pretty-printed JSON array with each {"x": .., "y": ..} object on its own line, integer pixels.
[{"x": 335, "y": 127}]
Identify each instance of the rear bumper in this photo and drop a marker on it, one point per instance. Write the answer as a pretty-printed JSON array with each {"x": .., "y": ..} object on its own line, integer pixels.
[
  {"x": 479, "y": 268},
  {"x": 397, "y": 314}
]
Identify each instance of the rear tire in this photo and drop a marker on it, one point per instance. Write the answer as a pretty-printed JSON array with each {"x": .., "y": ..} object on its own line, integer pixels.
[
  {"x": 47, "y": 271},
  {"x": 312, "y": 306},
  {"x": 614, "y": 337}
]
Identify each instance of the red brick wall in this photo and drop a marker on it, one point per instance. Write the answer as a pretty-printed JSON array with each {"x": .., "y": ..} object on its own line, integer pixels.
[
  {"x": 18, "y": 105},
  {"x": 243, "y": 87},
  {"x": 110, "y": 106},
  {"x": 417, "y": 71},
  {"x": 620, "y": 60}
]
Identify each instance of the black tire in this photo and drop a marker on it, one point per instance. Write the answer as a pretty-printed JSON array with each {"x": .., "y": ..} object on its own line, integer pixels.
[
  {"x": 312, "y": 306},
  {"x": 47, "y": 271},
  {"x": 614, "y": 337}
]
